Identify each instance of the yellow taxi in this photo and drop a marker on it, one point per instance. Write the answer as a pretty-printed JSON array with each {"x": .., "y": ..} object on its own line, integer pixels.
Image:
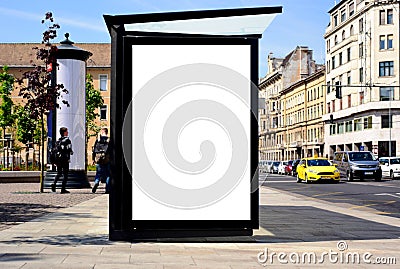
[{"x": 316, "y": 169}]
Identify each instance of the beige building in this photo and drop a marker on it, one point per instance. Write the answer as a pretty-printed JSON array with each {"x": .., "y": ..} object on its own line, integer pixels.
[
  {"x": 291, "y": 126},
  {"x": 362, "y": 55},
  {"x": 18, "y": 57}
]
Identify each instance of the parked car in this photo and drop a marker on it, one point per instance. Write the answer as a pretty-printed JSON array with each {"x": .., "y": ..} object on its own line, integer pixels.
[
  {"x": 282, "y": 167},
  {"x": 390, "y": 166},
  {"x": 268, "y": 166},
  {"x": 288, "y": 168},
  {"x": 274, "y": 167},
  {"x": 317, "y": 169},
  {"x": 294, "y": 167},
  {"x": 358, "y": 164},
  {"x": 262, "y": 166}
]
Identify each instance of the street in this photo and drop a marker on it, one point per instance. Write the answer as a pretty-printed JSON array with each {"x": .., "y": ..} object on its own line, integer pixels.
[{"x": 381, "y": 198}]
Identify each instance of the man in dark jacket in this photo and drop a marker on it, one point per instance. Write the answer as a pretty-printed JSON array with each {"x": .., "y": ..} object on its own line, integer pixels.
[
  {"x": 101, "y": 157},
  {"x": 63, "y": 163}
]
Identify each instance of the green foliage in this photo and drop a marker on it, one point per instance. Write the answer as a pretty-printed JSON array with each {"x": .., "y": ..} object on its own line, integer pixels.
[
  {"x": 91, "y": 167},
  {"x": 28, "y": 129},
  {"x": 7, "y": 118},
  {"x": 94, "y": 100}
]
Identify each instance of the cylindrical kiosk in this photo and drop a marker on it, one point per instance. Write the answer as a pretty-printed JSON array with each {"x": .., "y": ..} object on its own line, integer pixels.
[{"x": 71, "y": 72}]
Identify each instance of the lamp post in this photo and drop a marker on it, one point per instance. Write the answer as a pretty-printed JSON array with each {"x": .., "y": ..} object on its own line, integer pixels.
[{"x": 390, "y": 122}]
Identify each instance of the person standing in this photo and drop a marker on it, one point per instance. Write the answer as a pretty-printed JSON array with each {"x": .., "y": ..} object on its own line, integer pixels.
[
  {"x": 65, "y": 152},
  {"x": 101, "y": 157}
]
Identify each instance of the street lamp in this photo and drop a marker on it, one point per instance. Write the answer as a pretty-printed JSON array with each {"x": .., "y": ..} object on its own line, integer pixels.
[{"x": 390, "y": 122}]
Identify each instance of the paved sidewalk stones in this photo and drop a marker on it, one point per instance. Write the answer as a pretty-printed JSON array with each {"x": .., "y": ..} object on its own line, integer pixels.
[{"x": 77, "y": 237}]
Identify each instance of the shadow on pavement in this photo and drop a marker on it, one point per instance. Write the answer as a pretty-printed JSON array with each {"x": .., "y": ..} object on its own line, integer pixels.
[
  {"x": 14, "y": 213},
  {"x": 310, "y": 224},
  {"x": 62, "y": 240}
]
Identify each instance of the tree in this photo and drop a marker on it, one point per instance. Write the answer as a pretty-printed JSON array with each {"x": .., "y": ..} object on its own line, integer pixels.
[
  {"x": 7, "y": 118},
  {"x": 40, "y": 94},
  {"x": 94, "y": 100},
  {"x": 28, "y": 129}
]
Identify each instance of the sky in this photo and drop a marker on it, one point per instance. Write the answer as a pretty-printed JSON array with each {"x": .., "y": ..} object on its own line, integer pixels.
[{"x": 302, "y": 23}]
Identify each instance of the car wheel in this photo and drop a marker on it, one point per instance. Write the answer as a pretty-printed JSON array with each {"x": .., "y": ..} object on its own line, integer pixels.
[
  {"x": 298, "y": 179},
  {"x": 391, "y": 175},
  {"x": 306, "y": 178},
  {"x": 349, "y": 176}
]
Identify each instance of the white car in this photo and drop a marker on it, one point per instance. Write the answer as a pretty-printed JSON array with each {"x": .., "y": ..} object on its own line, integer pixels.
[
  {"x": 390, "y": 166},
  {"x": 281, "y": 168}
]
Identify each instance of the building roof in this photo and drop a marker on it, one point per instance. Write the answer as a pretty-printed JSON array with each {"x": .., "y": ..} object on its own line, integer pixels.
[{"x": 21, "y": 54}]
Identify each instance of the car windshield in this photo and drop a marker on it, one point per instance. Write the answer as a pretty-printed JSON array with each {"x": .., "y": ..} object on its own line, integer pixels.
[
  {"x": 290, "y": 162},
  {"x": 361, "y": 156},
  {"x": 276, "y": 163},
  {"x": 395, "y": 161},
  {"x": 318, "y": 162}
]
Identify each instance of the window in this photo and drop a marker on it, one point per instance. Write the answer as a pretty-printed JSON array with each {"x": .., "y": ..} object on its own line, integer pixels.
[
  {"x": 357, "y": 125},
  {"x": 340, "y": 58},
  {"x": 332, "y": 129},
  {"x": 335, "y": 20},
  {"x": 361, "y": 50},
  {"x": 382, "y": 17},
  {"x": 349, "y": 126},
  {"x": 382, "y": 40},
  {"x": 328, "y": 88},
  {"x": 351, "y": 30},
  {"x": 336, "y": 40},
  {"x": 361, "y": 74},
  {"x": 333, "y": 62},
  {"x": 385, "y": 93},
  {"x": 386, "y": 122},
  {"x": 386, "y": 69},
  {"x": 351, "y": 9},
  {"x": 103, "y": 112},
  {"x": 340, "y": 104},
  {"x": 349, "y": 100},
  {"x": 349, "y": 54},
  {"x": 361, "y": 25},
  {"x": 349, "y": 78},
  {"x": 389, "y": 17},
  {"x": 342, "y": 15},
  {"x": 343, "y": 35},
  {"x": 390, "y": 42},
  {"x": 103, "y": 82},
  {"x": 333, "y": 105},
  {"x": 368, "y": 122},
  {"x": 361, "y": 97},
  {"x": 340, "y": 128},
  {"x": 328, "y": 105}
]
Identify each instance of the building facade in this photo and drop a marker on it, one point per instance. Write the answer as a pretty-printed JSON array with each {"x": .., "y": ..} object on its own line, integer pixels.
[
  {"x": 291, "y": 124},
  {"x": 363, "y": 77},
  {"x": 19, "y": 56}
]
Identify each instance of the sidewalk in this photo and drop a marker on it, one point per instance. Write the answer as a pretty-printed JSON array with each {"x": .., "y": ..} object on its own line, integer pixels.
[{"x": 77, "y": 237}]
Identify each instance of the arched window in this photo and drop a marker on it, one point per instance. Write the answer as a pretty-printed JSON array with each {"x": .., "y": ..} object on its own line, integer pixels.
[
  {"x": 343, "y": 35},
  {"x": 336, "y": 41},
  {"x": 351, "y": 30}
]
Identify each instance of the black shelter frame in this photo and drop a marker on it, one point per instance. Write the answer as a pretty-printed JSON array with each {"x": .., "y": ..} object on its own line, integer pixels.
[{"x": 122, "y": 227}]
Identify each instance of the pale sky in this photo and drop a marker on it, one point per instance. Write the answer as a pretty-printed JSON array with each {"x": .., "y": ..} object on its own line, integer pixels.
[{"x": 303, "y": 22}]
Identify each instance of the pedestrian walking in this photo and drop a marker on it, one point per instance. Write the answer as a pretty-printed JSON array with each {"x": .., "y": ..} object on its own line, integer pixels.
[
  {"x": 64, "y": 152},
  {"x": 101, "y": 157}
]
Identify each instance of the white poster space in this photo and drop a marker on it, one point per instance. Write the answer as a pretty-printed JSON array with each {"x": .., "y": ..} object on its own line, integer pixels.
[
  {"x": 191, "y": 132},
  {"x": 71, "y": 73}
]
